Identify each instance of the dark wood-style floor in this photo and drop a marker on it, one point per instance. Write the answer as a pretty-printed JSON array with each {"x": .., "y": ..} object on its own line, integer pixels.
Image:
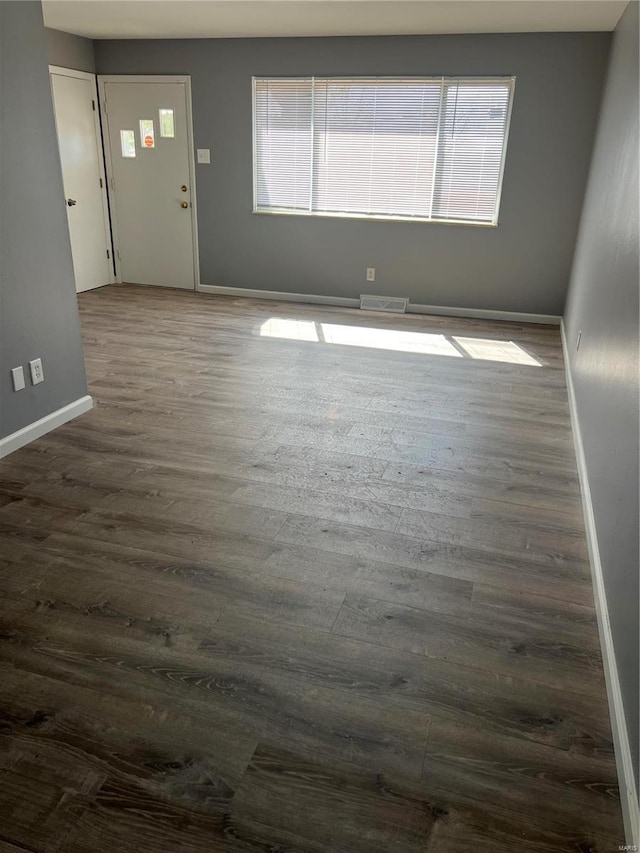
[{"x": 281, "y": 594}]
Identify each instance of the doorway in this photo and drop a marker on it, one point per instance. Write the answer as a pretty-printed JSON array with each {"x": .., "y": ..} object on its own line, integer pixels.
[
  {"x": 148, "y": 142},
  {"x": 75, "y": 103}
]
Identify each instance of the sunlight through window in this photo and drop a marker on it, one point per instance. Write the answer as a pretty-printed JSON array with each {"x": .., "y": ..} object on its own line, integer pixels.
[
  {"x": 490, "y": 350},
  {"x": 389, "y": 339},
  {"x": 296, "y": 330},
  {"x": 421, "y": 343}
]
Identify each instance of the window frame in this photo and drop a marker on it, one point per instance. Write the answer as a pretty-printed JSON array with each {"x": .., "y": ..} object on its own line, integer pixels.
[{"x": 442, "y": 79}]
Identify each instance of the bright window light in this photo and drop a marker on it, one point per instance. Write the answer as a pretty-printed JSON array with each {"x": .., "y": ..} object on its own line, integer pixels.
[
  {"x": 296, "y": 330},
  {"x": 490, "y": 350},
  {"x": 420, "y": 343},
  {"x": 389, "y": 339},
  {"x": 166, "y": 124},
  {"x": 128, "y": 143},
  {"x": 410, "y": 148}
]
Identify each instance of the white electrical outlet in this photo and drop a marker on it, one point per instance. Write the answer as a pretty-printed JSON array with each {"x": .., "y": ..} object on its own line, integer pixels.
[
  {"x": 37, "y": 374},
  {"x": 203, "y": 155},
  {"x": 371, "y": 273},
  {"x": 17, "y": 376}
]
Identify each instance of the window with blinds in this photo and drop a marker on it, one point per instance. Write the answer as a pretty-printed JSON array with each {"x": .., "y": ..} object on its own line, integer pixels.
[{"x": 408, "y": 148}]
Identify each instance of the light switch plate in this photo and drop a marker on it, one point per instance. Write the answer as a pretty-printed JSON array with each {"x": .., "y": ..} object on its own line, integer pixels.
[
  {"x": 17, "y": 376},
  {"x": 204, "y": 155}
]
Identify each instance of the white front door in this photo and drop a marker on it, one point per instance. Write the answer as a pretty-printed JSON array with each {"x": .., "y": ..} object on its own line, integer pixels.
[
  {"x": 75, "y": 107},
  {"x": 148, "y": 135}
]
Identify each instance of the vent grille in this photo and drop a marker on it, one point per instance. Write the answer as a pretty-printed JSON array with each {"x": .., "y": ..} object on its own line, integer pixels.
[{"x": 394, "y": 304}]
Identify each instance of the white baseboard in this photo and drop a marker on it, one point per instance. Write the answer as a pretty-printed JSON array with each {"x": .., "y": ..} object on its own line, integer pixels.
[
  {"x": 485, "y": 314},
  {"x": 38, "y": 428},
  {"x": 412, "y": 308},
  {"x": 626, "y": 778},
  {"x": 280, "y": 295}
]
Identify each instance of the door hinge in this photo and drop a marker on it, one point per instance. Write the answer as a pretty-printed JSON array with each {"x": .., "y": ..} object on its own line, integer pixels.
[
  {"x": 108, "y": 254},
  {"x": 113, "y": 184},
  {"x": 119, "y": 255},
  {"x": 104, "y": 104},
  {"x": 101, "y": 184},
  {"x": 93, "y": 105}
]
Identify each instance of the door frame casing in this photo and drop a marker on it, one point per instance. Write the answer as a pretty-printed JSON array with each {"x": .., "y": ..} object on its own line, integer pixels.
[
  {"x": 184, "y": 79},
  {"x": 92, "y": 78}
]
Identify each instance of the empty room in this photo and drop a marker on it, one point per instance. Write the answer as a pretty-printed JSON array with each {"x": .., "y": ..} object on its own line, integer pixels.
[{"x": 319, "y": 426}]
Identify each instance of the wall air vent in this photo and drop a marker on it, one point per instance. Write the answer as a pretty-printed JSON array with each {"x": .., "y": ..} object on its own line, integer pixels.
[{"x": 394, "y": 304}]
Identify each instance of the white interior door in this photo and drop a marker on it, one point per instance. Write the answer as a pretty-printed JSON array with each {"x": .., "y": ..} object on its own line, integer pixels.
[
  {"x": 148, "y": 131},
  {"x": 75, "y": 107}
]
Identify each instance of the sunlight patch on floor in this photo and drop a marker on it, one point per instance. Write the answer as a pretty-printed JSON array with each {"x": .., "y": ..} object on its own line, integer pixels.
[
  {"x": 491, "y": 350},
  {"x": 295, "y": 330},
  {"x": 421, "y": 343},
  {"x": 389, "y": 339}
]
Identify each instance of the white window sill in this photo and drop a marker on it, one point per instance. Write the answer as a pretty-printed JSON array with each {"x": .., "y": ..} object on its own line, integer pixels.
[{"x": 374, "y": 217}]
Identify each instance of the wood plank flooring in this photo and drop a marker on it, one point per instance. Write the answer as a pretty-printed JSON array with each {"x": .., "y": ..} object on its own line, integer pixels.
[{"x": 282, "y": 595}]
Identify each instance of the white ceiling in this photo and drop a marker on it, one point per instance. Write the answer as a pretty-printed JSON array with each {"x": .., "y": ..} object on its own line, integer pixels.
[{"x": 101, "y": 19}]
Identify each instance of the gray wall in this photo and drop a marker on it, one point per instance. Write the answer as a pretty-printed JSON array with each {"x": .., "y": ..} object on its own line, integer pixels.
[
  {"x": 603, "y": 304},
  {"x": 38, "y": 307},
  {"x": 70, "y": 51},
  {"x": 523, "y": 265}
]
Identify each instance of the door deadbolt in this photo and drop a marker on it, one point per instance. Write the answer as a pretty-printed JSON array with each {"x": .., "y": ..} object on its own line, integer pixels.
[
  {"x": 184, "y": 188},
  {"x": 71, "y": 202}
]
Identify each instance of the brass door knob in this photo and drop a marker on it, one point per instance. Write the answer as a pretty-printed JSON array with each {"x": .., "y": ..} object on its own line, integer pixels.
[
  {"x": 184, "y": 188},
  {"x": 184, "y": 204}
]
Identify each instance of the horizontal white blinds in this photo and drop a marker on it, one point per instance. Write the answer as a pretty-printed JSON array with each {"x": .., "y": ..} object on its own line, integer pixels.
[
  {"x": 472, "y": 140},
  {"x": 374, "y": 146},
  {"x": 429, "y": 148},
  {"x": 284, "y": 133}
]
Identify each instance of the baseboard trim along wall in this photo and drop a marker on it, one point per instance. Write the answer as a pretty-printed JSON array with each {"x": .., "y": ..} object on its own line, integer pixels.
[
  {"x": 279, "y": 296},
  {"x": 626, "y": 778},
  {"x": 412, "y": 308},
  {"x": 39, "y": 428},
  {"x": 485, "y": 314}
]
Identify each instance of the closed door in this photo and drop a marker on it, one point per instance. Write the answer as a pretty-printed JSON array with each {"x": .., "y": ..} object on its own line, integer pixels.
[
  {"x": 75, "y": 105},
  {"x": 150, "y": 161}
]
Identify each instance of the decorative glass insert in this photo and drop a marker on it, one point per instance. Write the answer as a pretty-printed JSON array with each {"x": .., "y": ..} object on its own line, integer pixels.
[
  {"x": 128, "y": 143},
  {"x": 167, "y": 128},
  {"x": 147, "y": 133}
]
